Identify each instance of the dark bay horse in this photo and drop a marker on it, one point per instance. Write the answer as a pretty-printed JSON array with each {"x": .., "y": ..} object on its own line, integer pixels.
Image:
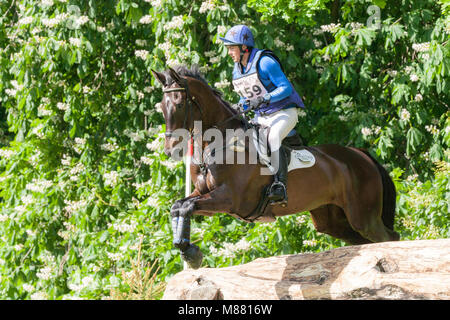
[{"x": 349, "y": 194}]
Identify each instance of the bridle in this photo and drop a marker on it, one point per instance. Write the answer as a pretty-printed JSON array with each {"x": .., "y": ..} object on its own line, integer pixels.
[{"x": 190, "y": 100}]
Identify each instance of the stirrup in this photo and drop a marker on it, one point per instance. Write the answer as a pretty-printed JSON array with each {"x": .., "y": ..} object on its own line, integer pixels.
[{"x": 282, "y": 202}]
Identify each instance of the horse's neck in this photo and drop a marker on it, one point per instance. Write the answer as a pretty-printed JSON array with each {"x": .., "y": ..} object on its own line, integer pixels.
[{"x": 217, "y": 116}]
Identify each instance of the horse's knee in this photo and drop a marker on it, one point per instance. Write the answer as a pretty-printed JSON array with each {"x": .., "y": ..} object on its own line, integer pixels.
[{"x": 175, "y": 208}]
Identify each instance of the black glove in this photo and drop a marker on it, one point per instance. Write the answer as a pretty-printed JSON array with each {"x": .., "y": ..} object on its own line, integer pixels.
[{"x": 255, "y": 103}]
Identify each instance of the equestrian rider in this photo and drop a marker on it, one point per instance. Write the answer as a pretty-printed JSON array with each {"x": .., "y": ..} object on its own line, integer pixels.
[{"x": 259, "y": 80}]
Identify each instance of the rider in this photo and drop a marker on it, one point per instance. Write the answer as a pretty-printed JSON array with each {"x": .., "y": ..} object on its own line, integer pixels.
[{"x": 259, "y": 80}]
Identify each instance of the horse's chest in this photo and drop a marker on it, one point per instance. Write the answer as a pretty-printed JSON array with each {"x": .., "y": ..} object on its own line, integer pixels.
[{"x": 204, "y": 183}]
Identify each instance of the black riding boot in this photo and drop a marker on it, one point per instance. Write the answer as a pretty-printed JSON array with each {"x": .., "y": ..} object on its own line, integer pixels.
[{"x": 278, "y": 192}]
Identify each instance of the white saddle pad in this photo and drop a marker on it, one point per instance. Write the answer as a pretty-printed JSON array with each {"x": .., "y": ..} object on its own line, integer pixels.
[{"x": 301, "y": 159}]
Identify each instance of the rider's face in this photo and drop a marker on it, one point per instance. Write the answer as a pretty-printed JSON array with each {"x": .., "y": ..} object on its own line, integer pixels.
[{"x": 234, "y": 53}]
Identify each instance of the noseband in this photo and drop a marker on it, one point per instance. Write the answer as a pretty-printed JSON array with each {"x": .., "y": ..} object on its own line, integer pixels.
[{"x": 190, "y": 100}]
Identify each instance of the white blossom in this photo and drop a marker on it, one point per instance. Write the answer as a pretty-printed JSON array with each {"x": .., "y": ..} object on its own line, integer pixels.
[
  {"x": 404, "y": 115},
  {"x": 155, "y": 145},
  {"x": 222, "y": 84},
  {"x": 317, "y": 43},
  {"x": 376, "y": 130},
  {"x": 221, "y": 29},
  {"x": 143, "y": 54},
  {"x": 53, "y": 22},
  {"x": 309, "y": 243},
  {"x": 301, "y": 113},
  {"x": 5, "y": 153},
  {"x": 80, "y": 141},
  {"x": 412, "y": 177},
  {"x": 214, "y": 60},
  {"x": 26, "y": 20},
  {"x": 73, "y": 206},
  {"x": 147, "y": 19},
  {"x": 125, "y": 227},
  {"x": 11, "y": 92},
  {"x": 278, "y": 42},
  {"x": 47, "y": 3},
  {"x": 82, "y": 20},
  {"x": 75, "y": 41},
  {"x": 27, "y": 199},
  {"x": 392, "y": 73},
  {"x": 66, "y": 160},
  {"x": 28, "y": 287},
  {"x": 109, "y": 147},
  {"x": 154, "y": 3},
  {"x": 148, "y": 161},
  {"x": 40, "y": 295},
  {"x": 366, "y": 131},
  {"x": 243, "y": 245},
  {"x": 229, "y": 250},
  {"x": 355, "y": 26},
  {"x": 421, "y": 47},
  {"x": 432, "y": 129},
  {"x": 165, "y": 46},
  {"x": 301, "y": 219},
  {"x": 62, "y": 106},
  {"x": 290, "y": 47},
  {"x": 45, "y": 273},
  {"x": 172, "y": 62},
  {"x": 332, "y": 28},
  {"x": 176, "y": 23},
  {"x": 38, "y": 185},
  {"x": 111, "y": 178},
  {"x": 418, "y": 97},
  {"x": 170, "y": 164},
  {"x": 77, "y": 169},
  {"x": 115, "y": 256},
  {"x": 414, "y": 78},
  {"x": 206, "y": 6}
]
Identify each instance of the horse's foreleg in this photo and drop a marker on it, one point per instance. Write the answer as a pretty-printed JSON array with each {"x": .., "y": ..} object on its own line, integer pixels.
[
  {"x": 174, "y": 210},
  {"x": 214, "y": 201}
]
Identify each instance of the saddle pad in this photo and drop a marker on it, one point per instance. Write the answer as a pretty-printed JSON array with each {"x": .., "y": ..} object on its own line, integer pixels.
[{"x": 301, "y": 159}]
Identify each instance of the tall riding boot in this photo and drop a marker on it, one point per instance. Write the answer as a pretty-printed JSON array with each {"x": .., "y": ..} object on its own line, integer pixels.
[{"x": 278, "y": 192}]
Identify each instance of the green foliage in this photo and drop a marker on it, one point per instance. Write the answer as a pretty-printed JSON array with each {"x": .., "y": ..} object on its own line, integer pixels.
[{"x": 84, "y": 182}]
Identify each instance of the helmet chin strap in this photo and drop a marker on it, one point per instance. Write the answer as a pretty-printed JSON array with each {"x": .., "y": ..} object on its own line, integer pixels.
[{"x": 242, "y": 52}]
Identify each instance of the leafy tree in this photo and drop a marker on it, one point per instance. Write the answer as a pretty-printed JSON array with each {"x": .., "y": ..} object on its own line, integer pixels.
[{"x": 85, "y": 188}]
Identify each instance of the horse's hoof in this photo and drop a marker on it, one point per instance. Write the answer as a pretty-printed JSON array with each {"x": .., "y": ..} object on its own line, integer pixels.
[{"x": 193, "y": 256}]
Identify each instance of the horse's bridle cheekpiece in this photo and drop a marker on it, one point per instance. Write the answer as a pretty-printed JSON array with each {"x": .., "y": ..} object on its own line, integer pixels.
[{"x": 187, "y": 104}]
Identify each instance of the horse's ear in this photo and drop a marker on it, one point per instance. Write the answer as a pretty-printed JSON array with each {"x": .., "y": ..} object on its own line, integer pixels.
[
  {"x": 160, "y": 77},
  {"x": 175, "y": 76}
]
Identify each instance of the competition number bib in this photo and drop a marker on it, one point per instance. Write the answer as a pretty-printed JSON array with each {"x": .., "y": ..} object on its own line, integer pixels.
[{"x": 249, "y": 87}]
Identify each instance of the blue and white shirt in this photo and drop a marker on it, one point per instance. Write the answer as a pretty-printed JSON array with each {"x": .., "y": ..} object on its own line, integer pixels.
[{"x": 263, "y": 74}]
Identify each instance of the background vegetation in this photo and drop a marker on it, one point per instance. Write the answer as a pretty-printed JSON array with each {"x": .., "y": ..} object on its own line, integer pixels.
[{"x": 85, "y": 188}]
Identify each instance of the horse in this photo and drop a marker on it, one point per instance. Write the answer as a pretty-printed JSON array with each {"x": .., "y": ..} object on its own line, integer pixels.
[{"x": 349, "y": 195}]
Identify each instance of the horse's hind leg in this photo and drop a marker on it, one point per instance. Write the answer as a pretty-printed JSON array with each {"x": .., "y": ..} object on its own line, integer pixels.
[
  {"x": 364, "y": 215},
  {"x": 331, "y": 219}
]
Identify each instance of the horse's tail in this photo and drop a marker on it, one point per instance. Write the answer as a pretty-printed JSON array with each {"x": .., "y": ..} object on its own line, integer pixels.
[{"x": 389, "y": 194}]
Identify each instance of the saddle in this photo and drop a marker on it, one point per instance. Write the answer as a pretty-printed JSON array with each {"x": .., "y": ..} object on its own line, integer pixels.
[{"x": 292, "y": 142}]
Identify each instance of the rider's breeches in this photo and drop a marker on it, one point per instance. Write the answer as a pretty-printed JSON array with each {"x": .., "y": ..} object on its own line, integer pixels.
[{"x": 280, "y": 123}]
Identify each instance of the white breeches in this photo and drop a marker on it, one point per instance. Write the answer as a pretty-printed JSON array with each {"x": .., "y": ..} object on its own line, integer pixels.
[{"x": 280, "y": 123}]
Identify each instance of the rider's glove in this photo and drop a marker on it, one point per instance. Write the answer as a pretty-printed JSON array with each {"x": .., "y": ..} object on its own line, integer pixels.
[
  {"x": 255, "y": 103},
  {"x": 238, "y": 106}
]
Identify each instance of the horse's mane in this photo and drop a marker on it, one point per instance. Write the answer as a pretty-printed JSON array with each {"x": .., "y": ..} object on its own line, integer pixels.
[{"x": 194, "y": 72}]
